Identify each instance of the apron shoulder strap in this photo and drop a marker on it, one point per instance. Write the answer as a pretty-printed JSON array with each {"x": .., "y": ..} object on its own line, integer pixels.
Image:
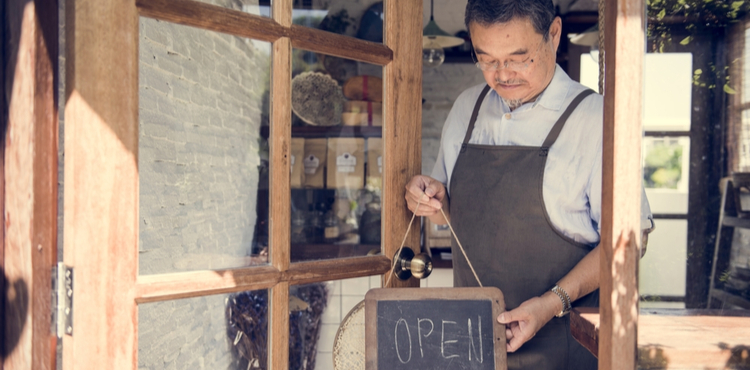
[
  {"x": 557, "y": 128},
  {"x": 475, "y": 113}
]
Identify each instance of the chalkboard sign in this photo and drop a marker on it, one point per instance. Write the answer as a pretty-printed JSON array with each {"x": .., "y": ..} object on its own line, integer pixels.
[{"x": 434, "y": 328}]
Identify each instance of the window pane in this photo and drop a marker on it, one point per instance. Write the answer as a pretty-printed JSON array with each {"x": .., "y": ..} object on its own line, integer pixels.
[
  {"x": 667, "y": 90},
  {"x": 337, "y": 157},
  {"x": 316, "y": 314},
  {"x": 666, "y": 172},
  {"x": 662, "y": 270},
  {"x": 203, "y": 163},
  {"x": 212, "y": 332}
]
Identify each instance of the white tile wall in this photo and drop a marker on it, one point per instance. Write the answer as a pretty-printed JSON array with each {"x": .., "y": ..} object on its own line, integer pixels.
[
  {"x": 355, "y": 287},
  {"x": 344, "y": 295},
  {"x": 440, "y": 278}
]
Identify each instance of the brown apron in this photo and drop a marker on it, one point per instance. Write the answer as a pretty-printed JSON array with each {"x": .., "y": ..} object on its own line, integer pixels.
[{"x": 498, "y": 213}]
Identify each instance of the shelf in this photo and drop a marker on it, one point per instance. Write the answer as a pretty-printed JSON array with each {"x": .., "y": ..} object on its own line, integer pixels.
[
  {"x": 311, "y": 252},
  {"x": 330, "y": 131},
  {"x": 736, "y": 222},
  {"x": 437, "y": 261},
  {"x": 730, "y": 298}
]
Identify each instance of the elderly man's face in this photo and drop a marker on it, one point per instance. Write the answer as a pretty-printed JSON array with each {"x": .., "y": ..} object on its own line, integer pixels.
[{"x": 516, "y": 60}]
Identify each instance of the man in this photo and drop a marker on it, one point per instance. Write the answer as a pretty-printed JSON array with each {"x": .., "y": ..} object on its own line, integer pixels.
[{"x": 519, "y": 169}]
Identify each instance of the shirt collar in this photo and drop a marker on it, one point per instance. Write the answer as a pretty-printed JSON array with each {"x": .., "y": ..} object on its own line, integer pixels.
[{"x": 554, "y": 95}]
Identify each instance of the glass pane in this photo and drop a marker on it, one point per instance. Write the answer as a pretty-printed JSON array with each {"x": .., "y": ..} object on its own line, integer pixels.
[
  {"x": 212, "y": 332},
  {"x": 203, "y": 162},
  {"x": 667, "y": 90},
  {"x": 360, "y": 19},
  {"x": 316, "y": 313},
  {"x": 662, "y": 271},
  {"x": 666, "y": 171},
  {"x": 256, "y": 7},
  {"x": 337, "y": 157}
]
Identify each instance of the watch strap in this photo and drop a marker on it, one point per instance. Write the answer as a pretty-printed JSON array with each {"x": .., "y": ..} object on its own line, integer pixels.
[{"x": 564, "y": 298}]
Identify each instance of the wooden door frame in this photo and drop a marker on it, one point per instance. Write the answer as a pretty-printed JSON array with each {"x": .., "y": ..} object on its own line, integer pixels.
[
  {"x": 101, "y": 192},
  {"x": 29, "y": 181}
]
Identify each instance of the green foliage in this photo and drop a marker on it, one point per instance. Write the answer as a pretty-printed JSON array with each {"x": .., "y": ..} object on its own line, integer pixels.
[
  {"x": 704, "y": 13},
  {"x": 663, "y": 167},
  {"x": 710, "y": 12},
  {"x": 696, "y": 17},
  {"x": 724, "y": 277}
]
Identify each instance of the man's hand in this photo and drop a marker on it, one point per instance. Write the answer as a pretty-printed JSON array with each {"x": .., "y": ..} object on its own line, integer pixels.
[
  {"x": 522, "y": 323},
  {"x": 426, "y": 191}
]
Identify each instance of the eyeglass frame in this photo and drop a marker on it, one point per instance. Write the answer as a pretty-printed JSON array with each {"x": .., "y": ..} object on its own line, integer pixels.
[{"x": 507, "y": 64}]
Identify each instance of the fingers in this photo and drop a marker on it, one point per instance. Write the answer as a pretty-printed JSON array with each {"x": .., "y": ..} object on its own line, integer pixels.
[
  {"x": 508, "y": 317},
  {"x": 427, "y": 192},
  {"x": 517, "y": 331},
  {"x": 515, "y": 343},
  {"x": 420, "y": 208}
]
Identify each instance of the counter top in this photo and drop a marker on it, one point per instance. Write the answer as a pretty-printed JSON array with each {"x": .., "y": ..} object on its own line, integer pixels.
[{"x": 679, "y": 339}]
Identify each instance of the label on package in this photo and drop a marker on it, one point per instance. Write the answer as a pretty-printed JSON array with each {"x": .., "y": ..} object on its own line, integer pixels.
[
  {"x": 311, "y": 164},
  {"x": 346, "y": 163}
]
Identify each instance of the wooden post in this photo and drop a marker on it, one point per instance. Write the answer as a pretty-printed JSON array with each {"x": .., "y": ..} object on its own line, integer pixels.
[
  {"x": 280, "y": 187},
  {"x": 101, "y": 182},
  {"x": 402, "y": 128},
  {"x": 621, "y": 187},
  {"x": 30, "y": 182}
]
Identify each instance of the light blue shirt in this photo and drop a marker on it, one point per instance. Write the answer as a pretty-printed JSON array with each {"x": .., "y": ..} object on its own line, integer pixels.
[{"x": 572, "y": 186}]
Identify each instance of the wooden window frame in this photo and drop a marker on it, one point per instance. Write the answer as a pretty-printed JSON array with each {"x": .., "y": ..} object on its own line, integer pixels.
[{"x": 102, "y": 144}]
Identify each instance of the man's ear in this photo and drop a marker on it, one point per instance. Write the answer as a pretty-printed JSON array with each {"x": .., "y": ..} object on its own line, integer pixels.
[{"x": 555, "y": 30}]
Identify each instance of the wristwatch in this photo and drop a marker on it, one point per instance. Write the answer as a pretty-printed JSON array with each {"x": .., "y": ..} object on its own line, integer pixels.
[{"x": 564, "y": 298}]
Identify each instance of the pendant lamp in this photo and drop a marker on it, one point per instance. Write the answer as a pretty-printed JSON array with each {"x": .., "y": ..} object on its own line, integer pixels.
[
  {"x": 589, "y": 38},
  {"x": 434, "y": 40}
]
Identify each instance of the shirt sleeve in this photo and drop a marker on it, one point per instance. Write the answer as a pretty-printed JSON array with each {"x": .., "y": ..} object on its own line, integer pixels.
[
  {"x": 453, "y": 133},
  {"x": 439, "y": 172}
]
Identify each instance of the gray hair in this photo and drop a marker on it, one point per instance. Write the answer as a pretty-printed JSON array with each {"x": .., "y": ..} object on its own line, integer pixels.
[{"x": 541, "y": 13}]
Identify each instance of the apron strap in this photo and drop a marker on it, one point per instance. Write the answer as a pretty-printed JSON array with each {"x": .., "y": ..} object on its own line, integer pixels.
[
  {"x": 475, "y": 113},
  {"x": 557, "y": 128}
]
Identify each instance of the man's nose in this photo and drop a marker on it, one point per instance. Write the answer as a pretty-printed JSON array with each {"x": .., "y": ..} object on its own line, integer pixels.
[{"x": 504, "y": 74}]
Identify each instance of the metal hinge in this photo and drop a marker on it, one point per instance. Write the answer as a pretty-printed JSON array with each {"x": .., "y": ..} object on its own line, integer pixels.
[{"x": 62, "y": 300}]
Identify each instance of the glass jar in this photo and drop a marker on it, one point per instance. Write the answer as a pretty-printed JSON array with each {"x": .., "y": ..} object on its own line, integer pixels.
[
  {"x": 299, "y": 233},
  {"x": 331, "y": 233},
  {"x": 369, "y": 226}
]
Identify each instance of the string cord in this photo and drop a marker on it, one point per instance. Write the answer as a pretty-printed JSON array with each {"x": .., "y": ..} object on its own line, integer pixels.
[
  {"x": 398, "y": 252},
  {"x": 462, "y": 249},
  {"x": 414, "y": 215}
]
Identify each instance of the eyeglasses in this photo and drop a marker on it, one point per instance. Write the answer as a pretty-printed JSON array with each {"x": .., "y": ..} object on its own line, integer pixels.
[{"x": 516, "y": 66}]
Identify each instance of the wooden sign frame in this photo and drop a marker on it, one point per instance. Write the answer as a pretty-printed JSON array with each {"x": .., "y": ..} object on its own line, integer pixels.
[{"x": 448, "y": 294}]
